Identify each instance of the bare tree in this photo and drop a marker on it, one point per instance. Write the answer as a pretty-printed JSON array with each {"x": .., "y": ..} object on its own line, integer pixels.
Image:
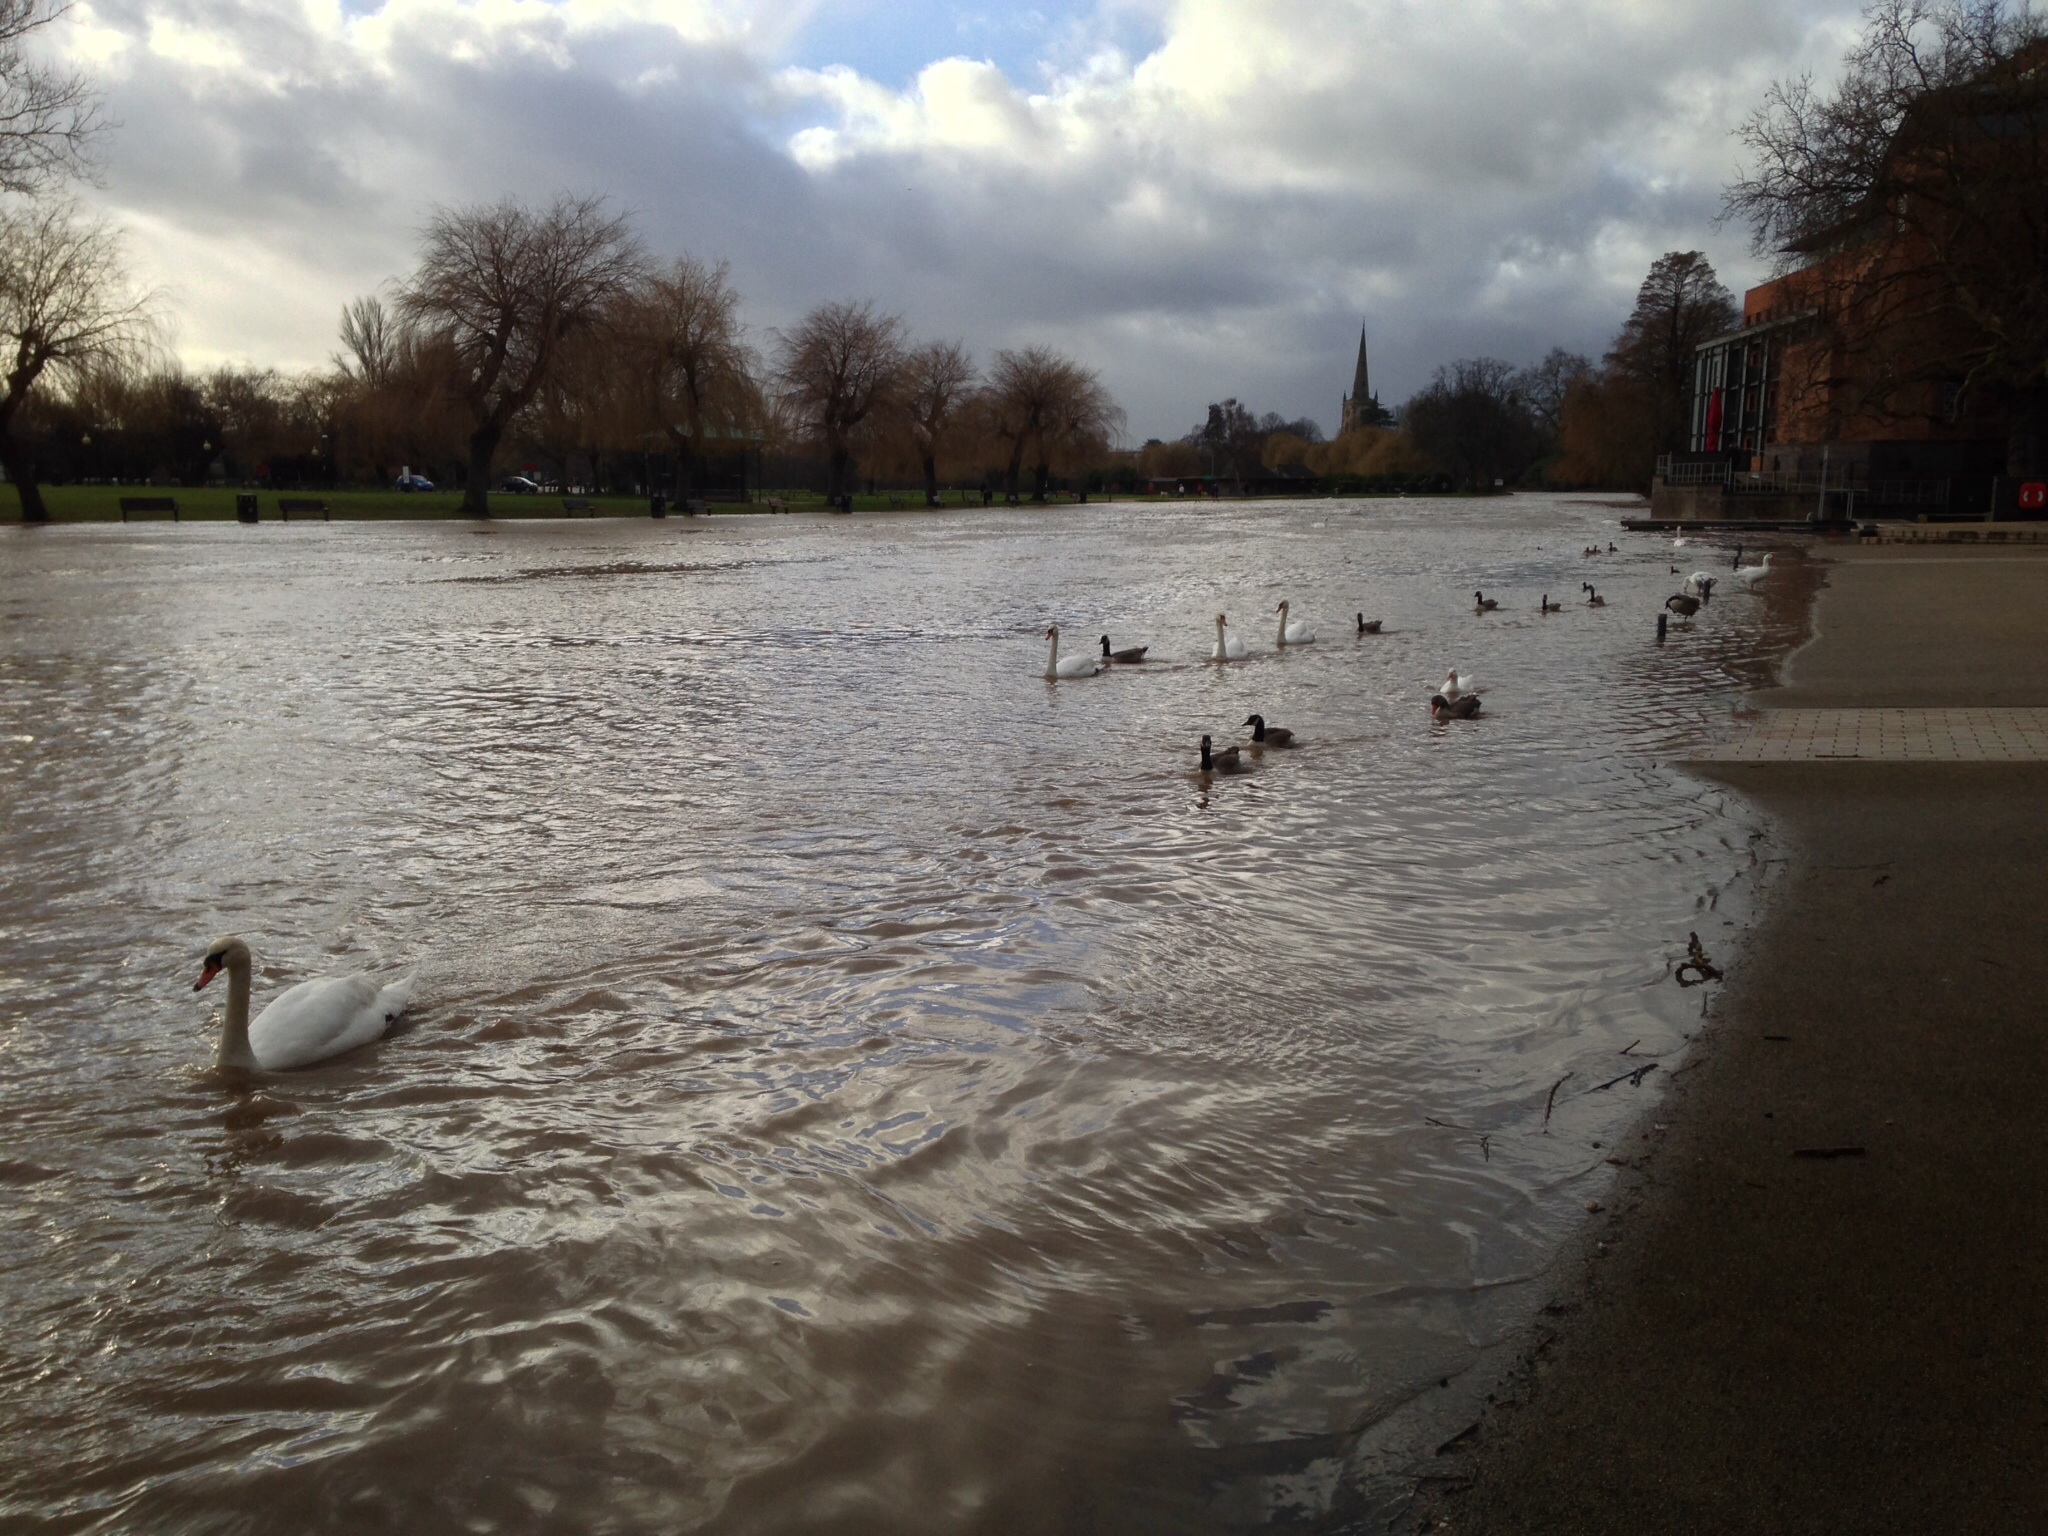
[
  {"x": 1680, "y": 304},
  {"x": 840, "y": 364},
  {"x": 66, "y": 307},
  {"x": 47, "y": 116},
  {"x": 937, "y": 380},
  {"x": 682, "y": 329},
  {"x": 503, "y": 286},
  {"x": 1913, "y": 197},
  {"x": 373, "y": 342}
]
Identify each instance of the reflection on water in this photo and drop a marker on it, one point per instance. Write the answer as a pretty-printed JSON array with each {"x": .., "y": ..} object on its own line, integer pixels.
[{"x": 857, "y": 1084}]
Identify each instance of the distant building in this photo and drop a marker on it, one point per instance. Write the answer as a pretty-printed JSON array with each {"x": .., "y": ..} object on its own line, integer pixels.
[{"x": 1361, "y": 408}]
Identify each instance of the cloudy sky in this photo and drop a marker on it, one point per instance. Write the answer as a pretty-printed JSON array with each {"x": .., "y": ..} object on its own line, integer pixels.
[{"x": 1199, "y": 197}]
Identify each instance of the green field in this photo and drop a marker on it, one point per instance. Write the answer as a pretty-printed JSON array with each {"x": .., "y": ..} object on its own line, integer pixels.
[{"x": 102, "y": 504}]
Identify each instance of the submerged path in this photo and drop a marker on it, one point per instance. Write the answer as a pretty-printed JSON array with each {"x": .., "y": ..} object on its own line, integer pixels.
[{"x": 1815, "y": 1302}]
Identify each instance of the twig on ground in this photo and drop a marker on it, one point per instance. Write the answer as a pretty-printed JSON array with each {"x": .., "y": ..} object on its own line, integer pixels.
[
  {"x": 1829, "y": 1152},
  {"x": 1634, "y": 1078},
  {"x": 1551, "y": 1102},
  {"x": 1630, "y": 1046}
]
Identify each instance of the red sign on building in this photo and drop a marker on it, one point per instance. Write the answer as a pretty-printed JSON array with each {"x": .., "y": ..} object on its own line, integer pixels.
[{"x": 2034, "y": 496}]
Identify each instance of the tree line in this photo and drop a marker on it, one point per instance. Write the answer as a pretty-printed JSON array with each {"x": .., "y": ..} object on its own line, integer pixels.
[{"x": 545, "y": 336}]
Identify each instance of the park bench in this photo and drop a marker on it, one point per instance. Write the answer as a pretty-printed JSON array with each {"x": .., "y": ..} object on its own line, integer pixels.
[
  {"x": 776, "y": 504},
  {"x": 149, "y": 504},
  {"x": 577, "y": 506},
  {"x": 304, "y": 505}
]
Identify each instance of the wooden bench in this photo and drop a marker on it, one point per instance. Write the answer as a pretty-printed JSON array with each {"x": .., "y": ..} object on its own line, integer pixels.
[
  {"x": 305, "y": 505},
  {"x": 149, "y": 504},
  {"x": 577, "y": 506},
  {"x": 775, "y": 504}
]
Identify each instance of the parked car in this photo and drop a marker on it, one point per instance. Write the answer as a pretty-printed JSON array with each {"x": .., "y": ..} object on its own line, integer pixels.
[
  {"x": 412, "y": 482},
  {"x": 519, "y": 485}
]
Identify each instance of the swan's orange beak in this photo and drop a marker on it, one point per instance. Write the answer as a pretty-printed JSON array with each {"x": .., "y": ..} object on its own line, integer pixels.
[{"x": 212, "y": 970}]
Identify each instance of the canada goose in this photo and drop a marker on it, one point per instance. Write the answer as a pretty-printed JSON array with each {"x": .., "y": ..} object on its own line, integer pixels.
[
  {"x": 304, "y": 1024},
  {"x": 1364, "y": 628},
  {"x": 1594, "y": 599},
  {"x": 1226, "y": 761},
  {"x": 1269, "y": 735},
  {"x": 1685, "y": 607},
  {"x": 1057, "y": 666},
  {"x": 1481, "y": 603},
  {"x": 1549, "y": 607},
  {"x": 1464, "y": 707},
  {"x": 1129, "y": 653}
]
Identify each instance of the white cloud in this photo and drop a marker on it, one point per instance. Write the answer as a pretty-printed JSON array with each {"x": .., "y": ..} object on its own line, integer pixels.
[{"x": 1209, "y": 216}]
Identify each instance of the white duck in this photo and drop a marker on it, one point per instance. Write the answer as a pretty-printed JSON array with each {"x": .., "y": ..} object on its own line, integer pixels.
[
  {"x": 1296, "y": 633},
  {"x": 1083, "y": 665},
  {"x": 1701, "y": 584},
  {"x": 1750, "y": 575},
  {"x": 303, "y": 1024},
  {"x": 1228, "y": 646},
  {"x": 1456, "y": 687}
]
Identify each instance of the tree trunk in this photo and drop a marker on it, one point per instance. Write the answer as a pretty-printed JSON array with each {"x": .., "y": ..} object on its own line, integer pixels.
[
  {"x": 838, "y": 461},
  {"x": 2026, "y": 445},
  {"x": 931, "y": 480},
  {"x": 1010, "y": 473},
  {"x": 1041, "y": 477},
  {"x": 483, "y": 448},
  {"x": 20, "y": 464}
]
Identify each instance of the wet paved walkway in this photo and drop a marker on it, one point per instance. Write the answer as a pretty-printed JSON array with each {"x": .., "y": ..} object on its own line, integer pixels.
[{"x": 1888, "y": 736}]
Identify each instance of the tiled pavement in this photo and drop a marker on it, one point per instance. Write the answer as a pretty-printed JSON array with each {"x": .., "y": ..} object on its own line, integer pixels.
[{"x": 1887, "y": 736}]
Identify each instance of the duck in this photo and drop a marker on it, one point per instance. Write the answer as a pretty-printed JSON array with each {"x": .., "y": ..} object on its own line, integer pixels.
[
  {"x": 1464, "y": 707},
  {"x": 1296, "y": 633},
  {"x": 1750, "y": 575},
  {"x": 1685, "y": 607},
  {"x": 1229, "y": 760},
  {"x": 1128, "y": 654},
  {"x": 1269, "y": 735},
  {"x": 1547, "y": 606},
  {"x": 1082, "y": 665},
  {"x": 1368, "y": 628},
  {"x": 1593, "y": 599},
  {"x": 1456, "y": 687},
  {"x": 1228, "y": 646},
  {"x": 1481, "y": 603},
  {"x": 302, "y": 1025}
]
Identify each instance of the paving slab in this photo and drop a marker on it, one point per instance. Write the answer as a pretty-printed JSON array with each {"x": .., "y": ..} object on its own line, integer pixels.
[{"x": 1887, "y": 736}]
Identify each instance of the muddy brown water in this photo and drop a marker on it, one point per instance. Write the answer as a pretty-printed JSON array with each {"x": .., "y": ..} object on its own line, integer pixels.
[{"x": 855, "y": 1084}]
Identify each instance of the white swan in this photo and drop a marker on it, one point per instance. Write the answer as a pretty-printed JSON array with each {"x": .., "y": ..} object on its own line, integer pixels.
[
  {"x": 1296, "y": 633},
  {"x": 303, "y": 1024},
  {"x": 1750, "y": 575},
  {"x": 1701, "y": 584},
  {"x": 1677, "y": 539},
  {"x": 1083, "y": 665},
  {"x": 1228, "y": 646}
]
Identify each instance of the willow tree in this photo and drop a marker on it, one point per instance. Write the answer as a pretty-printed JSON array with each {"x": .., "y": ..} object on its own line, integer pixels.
[
  {"x": 938, "y": 379},
  {"x": 66, "y": 308},
  {"x": 838, "y": 367},
  {"x": 680, "y": 331},
  {"x": 503, "y": 287}
]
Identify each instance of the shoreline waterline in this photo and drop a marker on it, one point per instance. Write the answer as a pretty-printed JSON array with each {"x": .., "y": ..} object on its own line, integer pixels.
[{"x": 1809, "y": 1307}]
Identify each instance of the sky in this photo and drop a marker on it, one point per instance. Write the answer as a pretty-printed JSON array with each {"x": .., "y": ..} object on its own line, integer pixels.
[{"x": 1198, "y": 198}]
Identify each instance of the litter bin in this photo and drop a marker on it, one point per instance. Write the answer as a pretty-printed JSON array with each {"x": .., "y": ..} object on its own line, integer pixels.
[
  {"x": 657, "y": 505},
  {"x": 245, "y": 507}
]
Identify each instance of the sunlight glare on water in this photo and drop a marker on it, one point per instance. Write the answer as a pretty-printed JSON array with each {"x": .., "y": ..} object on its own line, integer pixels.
[{"x": 855, "y": 1083}]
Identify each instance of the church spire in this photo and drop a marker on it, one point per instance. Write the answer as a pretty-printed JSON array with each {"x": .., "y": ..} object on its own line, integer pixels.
[
  {"x": 1361, "y": 381},
  {"x": 1361, "y": 408}
]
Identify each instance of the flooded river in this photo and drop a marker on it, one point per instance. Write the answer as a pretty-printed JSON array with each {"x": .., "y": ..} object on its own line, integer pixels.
[{"x": 854, "y": 1083}]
